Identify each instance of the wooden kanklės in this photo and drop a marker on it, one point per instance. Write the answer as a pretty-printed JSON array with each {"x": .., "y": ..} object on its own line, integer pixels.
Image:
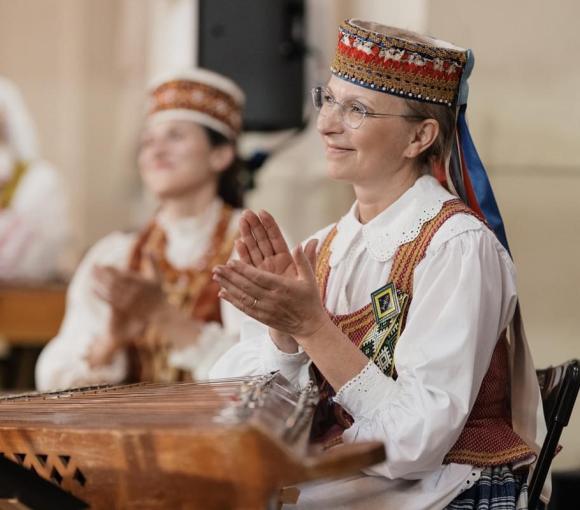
[{"x": 230, "y": 444}]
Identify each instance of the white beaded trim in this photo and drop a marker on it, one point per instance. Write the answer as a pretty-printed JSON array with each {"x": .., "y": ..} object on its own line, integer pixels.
[{"x": 391, "y": 90}]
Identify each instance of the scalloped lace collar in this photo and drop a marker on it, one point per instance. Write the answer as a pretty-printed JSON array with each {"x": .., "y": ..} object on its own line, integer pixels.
[{"x": 396, "y": 225}]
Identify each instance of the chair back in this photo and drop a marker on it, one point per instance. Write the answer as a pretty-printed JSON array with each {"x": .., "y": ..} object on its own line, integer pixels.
[{"x": 559, "y": 388}]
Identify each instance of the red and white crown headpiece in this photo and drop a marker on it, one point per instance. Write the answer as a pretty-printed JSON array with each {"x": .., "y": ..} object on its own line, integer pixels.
[{"x": 399, "y": 62}]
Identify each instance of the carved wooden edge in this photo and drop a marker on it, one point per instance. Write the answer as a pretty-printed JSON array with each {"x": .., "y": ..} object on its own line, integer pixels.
[{"x": 12, "y": 504}]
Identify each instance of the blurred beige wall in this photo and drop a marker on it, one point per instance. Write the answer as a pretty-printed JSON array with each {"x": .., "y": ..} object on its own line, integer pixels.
[{"x": 83, "y": 65}]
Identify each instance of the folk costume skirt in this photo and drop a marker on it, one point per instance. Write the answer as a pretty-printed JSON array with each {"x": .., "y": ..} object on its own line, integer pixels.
[{"x": 498, "y": 488}]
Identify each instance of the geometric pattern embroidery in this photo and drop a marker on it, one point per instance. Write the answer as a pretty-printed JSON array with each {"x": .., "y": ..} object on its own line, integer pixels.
[
  {"x": 385, "y": 304},
  {"x": 58, "y": 469},
  {"x": 379, "y": 342}
]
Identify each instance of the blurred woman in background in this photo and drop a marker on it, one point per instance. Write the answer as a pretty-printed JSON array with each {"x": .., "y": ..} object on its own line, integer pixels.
[
  {"x": 143, "y": 307},
  {"x": 34, "y": 220}
]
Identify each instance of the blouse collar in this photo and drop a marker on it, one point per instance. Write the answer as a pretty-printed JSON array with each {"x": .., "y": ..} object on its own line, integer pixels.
[{"x": 399, "y": 223}]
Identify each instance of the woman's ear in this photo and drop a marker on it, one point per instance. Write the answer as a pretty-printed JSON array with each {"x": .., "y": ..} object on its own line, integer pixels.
[
  {"x": 423, "y": 136},
  {"x": 221, "y": 157}
]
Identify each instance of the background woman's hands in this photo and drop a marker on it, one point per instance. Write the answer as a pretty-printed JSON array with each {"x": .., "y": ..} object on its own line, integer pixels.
[
  {"x": 129, "y": 293},
  {"x": 120, "y": 329},
  {"x": 271, "y": 284},
  {"x": 137, "y": 302},
  {"x": 134, "y": 301}
]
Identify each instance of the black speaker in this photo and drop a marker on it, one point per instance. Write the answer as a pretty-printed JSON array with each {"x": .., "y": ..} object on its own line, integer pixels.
[{"x": 259, "y": 44}]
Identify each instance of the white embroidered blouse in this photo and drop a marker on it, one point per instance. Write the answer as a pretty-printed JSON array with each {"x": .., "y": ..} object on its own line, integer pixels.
[
  {"x": 62, "y": 364},
  {"x": 464, "y": 296}
]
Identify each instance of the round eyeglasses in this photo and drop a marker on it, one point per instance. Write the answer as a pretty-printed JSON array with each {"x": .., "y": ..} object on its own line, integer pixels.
[{"x": 352, "y": 113}]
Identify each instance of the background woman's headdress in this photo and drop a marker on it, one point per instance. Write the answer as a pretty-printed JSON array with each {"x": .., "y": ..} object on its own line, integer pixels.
[{"x": 201, "y": 96}]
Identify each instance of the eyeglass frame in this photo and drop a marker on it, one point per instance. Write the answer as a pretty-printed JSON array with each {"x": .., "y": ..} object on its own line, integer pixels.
[{"x": 365, "y": 113}]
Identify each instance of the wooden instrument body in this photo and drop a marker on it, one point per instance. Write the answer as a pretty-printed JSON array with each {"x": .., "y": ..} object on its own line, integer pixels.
[
  {"x": 31, "y": 314},
  {"x": 224, "y": 445}
]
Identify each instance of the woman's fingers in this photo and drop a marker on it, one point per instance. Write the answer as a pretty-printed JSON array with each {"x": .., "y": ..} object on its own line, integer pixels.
[
  {"x": 110, "y": 285},
  {"x": 254, "y": 251},
  {"x": 229, "y": 278},
  {"x": 112, "y": 295},
  {"x": 156, "y": 272},
  {"x": 273, "y": 232},
  {"x": 302, "y": 263},
  {"x": 242, "y": 251},
  {"x": 240, "y": 292},
  {"x": 102, "y": 293},
  {"x": 259, "y": 277},
  {"x": 310, "y": 252},
  {"x": 259, "y": 233},
  {"x": 106, "y": 275},
  {"x": 241, "y": 303}
]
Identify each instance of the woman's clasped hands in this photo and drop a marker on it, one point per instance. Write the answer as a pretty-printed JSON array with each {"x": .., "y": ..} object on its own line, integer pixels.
[{"x": 273, "y": 285}]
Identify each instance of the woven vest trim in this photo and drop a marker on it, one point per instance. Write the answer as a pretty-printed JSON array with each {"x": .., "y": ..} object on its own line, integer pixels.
[
  {"x": 487, "y": 438},
  {"x": 191, "y": 289}
]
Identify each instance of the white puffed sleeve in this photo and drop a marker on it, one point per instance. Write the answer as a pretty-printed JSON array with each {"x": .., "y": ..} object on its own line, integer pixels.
[
  {"x": 463, "y": 298},
  {"x": 256, "y": 354},
  {"x": 62, "y": 363}
]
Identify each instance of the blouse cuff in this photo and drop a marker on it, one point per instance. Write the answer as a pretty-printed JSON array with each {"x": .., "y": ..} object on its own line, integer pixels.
[
  {"x": 363, "y": 393},
  {"x": 287, "y": 363}
]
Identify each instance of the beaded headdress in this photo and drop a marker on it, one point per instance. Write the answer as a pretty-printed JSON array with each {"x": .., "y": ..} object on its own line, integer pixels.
[
  {"x": 421, "y": 68},
  {"x": 199, "y": 95},
  {"x": 391, "y": 60}
]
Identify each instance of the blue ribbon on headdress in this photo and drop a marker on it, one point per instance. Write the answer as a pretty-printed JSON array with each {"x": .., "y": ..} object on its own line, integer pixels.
[{"x": 475, "y": 171}]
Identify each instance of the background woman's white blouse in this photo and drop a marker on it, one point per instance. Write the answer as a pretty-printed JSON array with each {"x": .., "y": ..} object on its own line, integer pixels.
[{"x": 62, "y": 364}]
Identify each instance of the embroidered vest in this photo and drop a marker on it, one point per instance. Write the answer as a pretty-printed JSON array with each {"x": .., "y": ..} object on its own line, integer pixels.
[
  {"x": 487, "y": 438},
  {"x": 9, "y": 189},
  {"x": 191, "y": 289}
]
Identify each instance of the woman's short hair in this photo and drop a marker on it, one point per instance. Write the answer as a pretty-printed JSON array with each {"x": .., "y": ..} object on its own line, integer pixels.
[{"x": 438, "y": 151}]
